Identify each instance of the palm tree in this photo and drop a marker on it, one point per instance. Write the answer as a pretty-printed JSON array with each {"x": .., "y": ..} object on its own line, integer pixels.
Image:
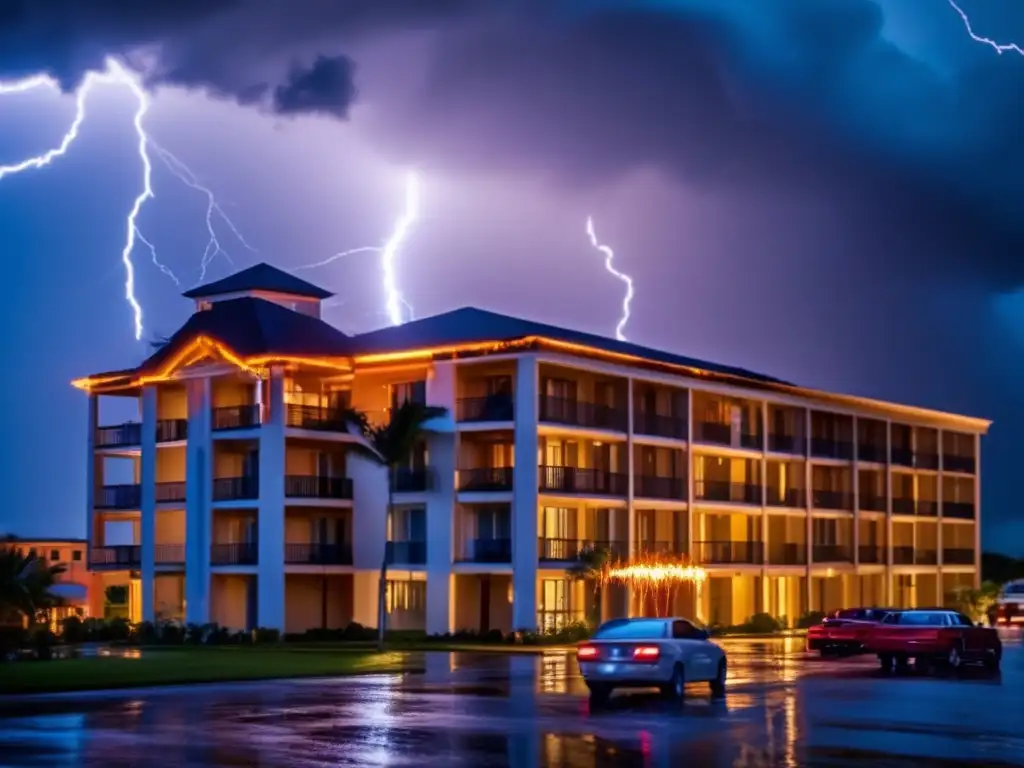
[
  {"x": 589, "y": 567},
  {"x": 391, "y": 445},
  {"x": 26, "y": 582}
]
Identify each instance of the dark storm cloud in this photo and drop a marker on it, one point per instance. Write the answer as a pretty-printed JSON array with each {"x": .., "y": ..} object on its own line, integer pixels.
[{"x": 325, "y": 87}]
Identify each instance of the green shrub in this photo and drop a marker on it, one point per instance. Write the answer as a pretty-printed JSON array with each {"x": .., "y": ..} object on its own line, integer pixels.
[
  {"x": 810, "y": 619},
  {"x": 266, "y": 635},
  {"x": 73, "y": 630}
]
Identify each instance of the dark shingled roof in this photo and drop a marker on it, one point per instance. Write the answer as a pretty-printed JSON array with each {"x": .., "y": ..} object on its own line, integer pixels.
[
  {"x": 252, "y": 327},
  {"x": 469, "y": 324},
  {"x": 261, "y": 277}
]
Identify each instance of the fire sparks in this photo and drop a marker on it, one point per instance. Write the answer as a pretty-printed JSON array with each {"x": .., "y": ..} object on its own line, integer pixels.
[{"x": 655, "y": 574}]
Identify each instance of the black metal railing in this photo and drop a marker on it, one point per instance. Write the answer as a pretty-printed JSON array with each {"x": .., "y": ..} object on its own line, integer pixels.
[
  {"x": 903, "y": 506},
  {"x": 828, "y": 448},
  {"x": 958, "y": 556},
  {"x": 240, "y": 488},
  {"x": 496, "y": 479},
  {"x": 119, "y": 436},
  {"x": 570, "y": 550},
  {"x": 659, "y": 425},
  {"x": 928, "y": 507},
  {"x": 904, "y": 457},
  {"x": 729, "y": 552},
  {"x": 962, "y": 510},
  {"x": 409, "y": 480},
  {"x": 786, "y": 497},
  {"x": 870, "y": 502},
  {"x": 779, "y": 443},
  {"x": 902, "y": 555},
  {"x": 832, "y": 553},
  {"x": 167, "y": 493},
  {"x": 118, "y": 497},
  {"x": 316, "y": 417},
  {"x": 317, "y": 487},
  {"x": 655, "y": 549},
  {"x": 312, "y": 553},
  {"x": 953, "y": 463},
  {"x": 713, "y": 432},
  {"x": 486, "y": 551},
  {"x": 118, "y": 556},
  {"x": 169, "y": 554},
  {"x": 490, "y": 408},
  {"x": 244, "y": 553},
  {"x": 870, "y": 554},
  {"x": 735, "y": 493},
  {"x": 652, "y": 487},
  {"x": 405, "y": 552},
  {"x": 171, "y": 430},
  {"x": 578, "y": 413},
  {"x": 926, "y": 557},
  {"x": 871, "y": 452},
  {"x": 586, "y": 481},
  {"x": 235, "y": 417},
  {"x": 787, "y": 553},
  {"x": 831, "y": 500},
  {"x": 926, "y": 460}
]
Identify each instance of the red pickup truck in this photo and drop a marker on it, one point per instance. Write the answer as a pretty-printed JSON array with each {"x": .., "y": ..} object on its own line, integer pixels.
[
  {"x": 929, "y": 637},
  {"x": 843, "y": 632}
]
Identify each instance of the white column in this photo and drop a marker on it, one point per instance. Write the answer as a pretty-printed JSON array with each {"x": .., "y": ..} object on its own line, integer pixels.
[
  {"x": 92, "y": 475},
  {"x": 147, "y": 480},
  {"x": 441, "y": 449},
  {"x": 977, "y": 511},
  {"x": 270, "y": 521},
  {"x": 765, "y": 539},
  {"x": 525, "y": 483},
  {"x": 890, "y": 596},
  {"x": 198, "y": 502},
  {"x": 631, "y": 485},
  {"x": 809, "y": 505},
  {"x": 940, "y": 592}
]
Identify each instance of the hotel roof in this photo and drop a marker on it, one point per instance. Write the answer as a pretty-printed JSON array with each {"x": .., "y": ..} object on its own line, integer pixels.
[{"x": 261, "y": 277}]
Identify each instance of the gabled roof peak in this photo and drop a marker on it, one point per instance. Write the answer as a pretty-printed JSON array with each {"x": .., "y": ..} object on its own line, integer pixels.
[{"x": 260, "y": 277}]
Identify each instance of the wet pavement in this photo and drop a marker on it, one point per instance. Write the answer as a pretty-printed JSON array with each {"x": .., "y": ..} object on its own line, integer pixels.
[{"x": 782, "y": 708}]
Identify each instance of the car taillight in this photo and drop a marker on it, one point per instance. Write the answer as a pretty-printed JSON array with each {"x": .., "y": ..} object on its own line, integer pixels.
[
  {"x": 586, "y": 652},
  {"x": 646, "y": 652}
]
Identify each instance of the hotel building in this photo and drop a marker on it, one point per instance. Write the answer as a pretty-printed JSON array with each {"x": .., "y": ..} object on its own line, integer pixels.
[
  {"x": 248, "y": 507},
  {"x": 75, "y": 586}
]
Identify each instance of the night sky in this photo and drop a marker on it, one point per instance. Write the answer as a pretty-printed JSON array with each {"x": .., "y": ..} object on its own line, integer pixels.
[{"x": 827, "y": 191}]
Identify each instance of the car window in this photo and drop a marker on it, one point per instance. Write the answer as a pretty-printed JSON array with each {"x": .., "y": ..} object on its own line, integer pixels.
[
  {"x": 964, "y": 621},
  {"x": 643, "y": 629},
  {"x": 1014, "y": 589},
  {"x": 919, "y": 619},
  {"x": 684, "y": 630}
]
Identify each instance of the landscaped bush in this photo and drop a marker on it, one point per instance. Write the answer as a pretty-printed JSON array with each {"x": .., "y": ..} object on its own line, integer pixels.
[
  {"x": 43, "y": 641},
  {"x": 810, "y": 619},
  {"x": 265, "y": 635}
]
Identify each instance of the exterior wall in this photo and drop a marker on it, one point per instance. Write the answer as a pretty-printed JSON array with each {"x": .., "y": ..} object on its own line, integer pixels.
[{"x": 305, "y": 602}]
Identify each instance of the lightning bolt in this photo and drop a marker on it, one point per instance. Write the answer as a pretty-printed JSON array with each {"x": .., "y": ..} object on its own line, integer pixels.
[
  {"x": 609, "y": 256},
  {"x": 998, "y": 47}
]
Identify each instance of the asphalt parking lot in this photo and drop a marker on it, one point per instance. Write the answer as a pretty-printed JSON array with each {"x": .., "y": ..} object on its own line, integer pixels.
[{"x": 782, "y": 708}]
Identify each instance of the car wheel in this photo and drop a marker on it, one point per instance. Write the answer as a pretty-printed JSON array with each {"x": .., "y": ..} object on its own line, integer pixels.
[
  {"x": 599, "y": 695},
  {"x": 885, "y": 660},
  {"x": 718, "y": 684},
  {"x": 992, "y": 661},
  {"x": 955, "y": 657},
  {"x": 675, "y": 689}
]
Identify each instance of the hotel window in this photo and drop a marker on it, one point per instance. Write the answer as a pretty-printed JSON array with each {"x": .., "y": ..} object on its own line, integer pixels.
[
  {"x": 76, "y": 555},
  {"x": 406, "y": 596},
  {"x": 555, "y": 610},
  {"x": 55, "y": 555},
  {"x": 409, "y": 391},
  {"x": 407, "y": 524}
]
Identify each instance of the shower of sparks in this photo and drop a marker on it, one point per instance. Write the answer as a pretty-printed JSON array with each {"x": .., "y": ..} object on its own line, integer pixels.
[
  {"x": 654, "y": 574},
  {"x": 998, "y": 47},
  {"x": 609, "y": 256}
]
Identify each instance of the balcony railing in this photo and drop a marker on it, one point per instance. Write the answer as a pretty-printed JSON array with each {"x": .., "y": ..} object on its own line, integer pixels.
[
  {"x": 317, "y": 417},
  {"x": 317, "y": 487},
  {"x": 656, "y": 549},
  {"x": 486, "y": 551},
  {"x": 928, "y": 507},
  {"x": 311, "y": 553},
  {"x": 584, "y": 481},
  {"x": 171, "y": 430},
  {"x": 870, "y": 554},
  {"x": 831, "y": 500},
  {"x": 902, "y": 506},
  {"x": 902, "y": 555},
  {"x": 169, "y": 493},
  {"x": 116, "y": 557},
  {"x": 169, "y": 554},
  {"x": 482, "y": 479},
  {"x": 651, "y": 487},
  {"x": 926, "y": 556},
  {"x": 787, "y": 553},
  {"x": 734, "y": 493},
  {"x": 957, "y": 556},
  {"x": 903, "y": 457},
  {"x": 570, "y": 550},
  {"x": 408, "y": 480},
  {"x": 832, "y": 553},
  {"x": 235, "y": 417},
  {"x": 245, "y": 553},
  {"x": 787, "y": 497},
  {"x": 926, "y": 460},
  {"x": 490, "y": 408},
  {"x": 729, "y": 552},
  {"x": 716, "y": 433},
  {"x": 119, "y": 436},
  {"x": 243, "y": 488},
  {"x": 953, "y": 463},
  {"x": 828, "y": 448},
  {"x": 578, "y": 413},
  {"x": 869, "y": 502},
  {"x": 659, "y": 425},
  {"x": 962, "y": 510},
  {"x": 871, "y": 452},
  {"x": 405, "y": 552},
  {"x": 778, "y": 443},
  {"x": 118, "y": 497}
]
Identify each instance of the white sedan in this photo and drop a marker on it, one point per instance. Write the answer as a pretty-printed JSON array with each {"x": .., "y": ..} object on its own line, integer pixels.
[{"x": 650, "y": 653}]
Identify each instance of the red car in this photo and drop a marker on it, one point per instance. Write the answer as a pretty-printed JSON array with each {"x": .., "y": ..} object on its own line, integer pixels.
[
  {"x": 843, "y": 633},
  {"x": 931, "y": 637}
]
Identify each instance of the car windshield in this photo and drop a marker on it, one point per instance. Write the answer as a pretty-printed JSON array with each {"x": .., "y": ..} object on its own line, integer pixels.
[
  {"x": 1014, "y": 589},
  {"x": 643, "y": 629},
  {"x": 917, "y": 619}
]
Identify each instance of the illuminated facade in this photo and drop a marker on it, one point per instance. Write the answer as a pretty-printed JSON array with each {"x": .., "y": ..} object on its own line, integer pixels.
[
  {"x": 246, "y": 506},
  {"x": 76, "y": 586}
]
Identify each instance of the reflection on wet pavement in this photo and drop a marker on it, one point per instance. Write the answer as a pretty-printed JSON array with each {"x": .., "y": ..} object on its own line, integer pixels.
[{"x": 782, "y": 708}]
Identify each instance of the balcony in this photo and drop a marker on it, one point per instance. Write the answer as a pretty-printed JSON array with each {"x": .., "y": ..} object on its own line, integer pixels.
[
  {"x": 926, "y": 557},
  {"x": 485, "y": 479},
  {"x": 310, "y": 553},
  {"x": 716, "y": 433},
  {"x": 788, "y": 497},
  {"x": 871, "y": 452},
  {"x": 577, "y": 413},
  {"x": 827, "y": 448},
  {"x": 235, "y": 417},
  {"x": 661, "y": 549},
  {"x": 903, "y": 457},
  {"x": 597, "y": 482},
  {"x": 928, "y": 507},
  {"x": 657, "y": 425},
  {"x": 125, "y": 435},
  {"x": 902, "y": 555},
  {"x": 243, "y": 488},
  {"x": 405, "y": 552},
  {"x": 729, "y": 552},
  {"x": 570, "y": 550},
  {"x": 317, "y": 418},
  {"x": 832, "y": 553},
  {"x": 952, "y": 463},
  {"x": 118, "y": 497},
  {"x": 408, "y": 480},
  {"x": 958, "y": 557},
  {"x": 869, "y": 554},
  {"x": 486, "y": 551},
  {"x": 778, "y": 443},
  {"x": 124, "y": 556},
  {"x": 787, "y": 553},
  {"x": 490, "y": 408},
  {"x": 317, "y": 487},
  {"x": 170, "y": 493},
  {"x": 869, "y": 502},
  {"x": 902, "y": 506},
  {"x": 169, "y": 554},
  {"x": 733, "y": 493},
  {"x": 961, "y": 510},
  {"x": 650, "y": 487},
  {"x": 832, "y": 500},
  {"x": 926, "y": 460},
  {"x": 171, "y": 430},
  {"x": 246, "y": 553}
]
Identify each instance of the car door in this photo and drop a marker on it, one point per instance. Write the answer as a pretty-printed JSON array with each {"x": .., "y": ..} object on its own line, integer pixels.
[{"x": 694, "y": 650}]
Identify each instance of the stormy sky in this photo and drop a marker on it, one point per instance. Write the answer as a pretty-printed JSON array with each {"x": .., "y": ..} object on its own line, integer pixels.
[{"x": 824, "y": 190}]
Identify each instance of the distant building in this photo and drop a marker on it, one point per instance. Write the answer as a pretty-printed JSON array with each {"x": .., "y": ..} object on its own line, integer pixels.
[
  {"x": 75, "y": 584},
  {"x": 249, "y": 508}
]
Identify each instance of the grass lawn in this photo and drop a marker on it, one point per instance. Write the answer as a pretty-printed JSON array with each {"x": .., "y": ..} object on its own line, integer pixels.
[{"x": 166, "y": 666}]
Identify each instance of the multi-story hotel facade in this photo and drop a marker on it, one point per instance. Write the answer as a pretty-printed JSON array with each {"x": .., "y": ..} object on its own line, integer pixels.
[{"x": 248, "y": 506}]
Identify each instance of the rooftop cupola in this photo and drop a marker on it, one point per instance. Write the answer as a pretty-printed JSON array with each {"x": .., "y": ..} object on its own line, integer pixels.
[{"x": 265, "y": 282}]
